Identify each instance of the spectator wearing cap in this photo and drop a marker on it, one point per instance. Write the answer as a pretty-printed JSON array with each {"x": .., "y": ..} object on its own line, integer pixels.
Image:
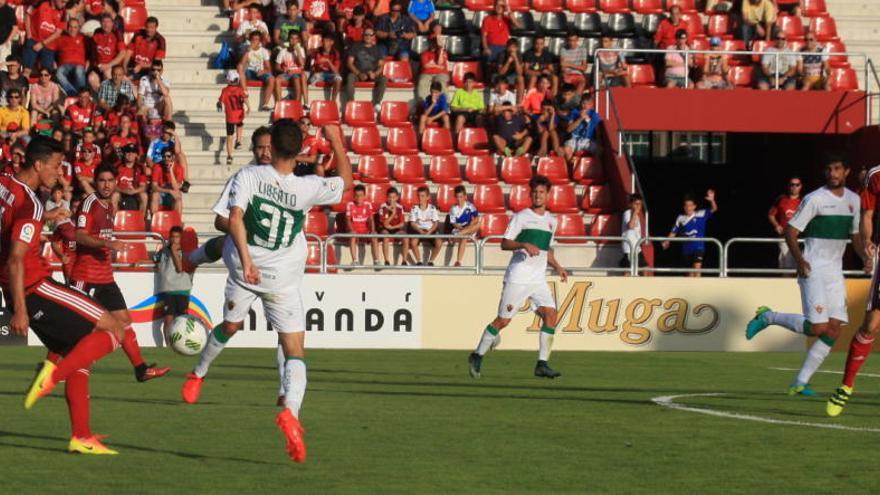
[
  {"x": 255, "y": 66},
  {"x": 110, "y": 89},
  {"x": 106, "y": 49},
  {"x": 253, "y": 22},
  {"x": 71, "y": 59},
  {"x": 435, "y": 108},
  {"x": 511, "y": 135},
  {"x": 14, "y": 117},
  {"x": 758, "y": 20},
  {"x": 777, "y": 69},
  {"x": 422, "y": 14},
  {"x": 12, "y": 77},
  {"x": 495, "y": 31},
  {"x": 678, "y": 61},
  {"x": 8, "y": 29},
  {"x": 435, "y": 68},
  {"x": 45, "y": 97},
  {"x": 131, "y": 185},
  {"x": 715, "y": 68},
  {"x": 395, "y": 32},
  {"x": 511, "y": 68},
  {"x": 813, "y": 66},
  {"x": 146, "y": 47},
  {"x": 291, "y": 21},
  {"x": 664, "y": 37},
  {"x": 234, "y": 102},
  {"x": 44, "y": 24},
  {"x": 326, "y": 66},
  {"x": 574, "y": 62},
  {"x": 365, "y": 63},
  {"x": 168, "y": 178},
  {"x": 467, "y": 104}
]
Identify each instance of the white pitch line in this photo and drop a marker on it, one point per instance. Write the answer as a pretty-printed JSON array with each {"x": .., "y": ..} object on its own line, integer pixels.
[
  {"x": 669, "y": 401},
  {"x": 869, "y": 375}
]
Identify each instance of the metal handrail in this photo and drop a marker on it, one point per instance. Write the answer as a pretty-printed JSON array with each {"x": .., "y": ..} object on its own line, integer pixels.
[
  {"x": 635, "y": 182},
  {"x": 347, "y": 235},
  {"x": 557, "y": 243},
  {"x": 711, "y": 240},
  {"x": 779, "y": 271}
]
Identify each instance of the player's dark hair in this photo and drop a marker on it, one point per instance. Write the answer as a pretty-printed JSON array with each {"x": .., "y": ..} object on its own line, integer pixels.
[
  {"x": 423, "y": 189},
  {"x": 286, "y": 139},
  {"x": 152, "y": 20},
  {"x": 57, "y": 187},
  {"x": 360, "y": 188},
  {"x": 41, "y": 148},
  {"x": 470, "y": 76},
  {"x": 258, "y": 133},
  {"x": 436, "y": 86},
  {"x": 832, "y": 157},
  {"x": 169, "y": 125},
  {"x": 177, "y": 229},
  {"x": 539, "y": 180},
  {"x": 392, "y": 190},
  {"x": 635, "y": 197},
  {"x": 105, "y": 167},
  {"x": 460, "y": 189},
  {"x": 688, "y": 197}
]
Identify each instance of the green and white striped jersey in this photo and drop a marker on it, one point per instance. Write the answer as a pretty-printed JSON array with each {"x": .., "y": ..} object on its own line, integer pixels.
[
  {"x": 528, "y": 226},
  {"x": 826, "y": 223}
]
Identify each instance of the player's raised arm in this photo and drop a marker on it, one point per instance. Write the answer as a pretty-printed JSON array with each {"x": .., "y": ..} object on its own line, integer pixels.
[
  {"x": 343, "y": 165},
  {"x": 19, "y": 323}
]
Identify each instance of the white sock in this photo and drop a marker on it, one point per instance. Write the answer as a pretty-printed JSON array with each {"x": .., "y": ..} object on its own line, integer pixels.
[
  {"x": 212, "y": 349},
  {"x": 294, "y": 384},
  {"x": 545, "y": 343},
  {"x": 486, "y": 340},
  {"x": 279, "y": 357},
  {"x": 791, "y": 321},
  {"x": 815, "y": 357}
]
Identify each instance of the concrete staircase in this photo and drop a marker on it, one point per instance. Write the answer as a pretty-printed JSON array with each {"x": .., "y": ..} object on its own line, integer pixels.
[{"x": 858, "y": 25}]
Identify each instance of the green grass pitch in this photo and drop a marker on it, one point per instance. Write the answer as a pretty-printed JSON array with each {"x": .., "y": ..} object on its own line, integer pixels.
[{"x": 414, "y": 422}]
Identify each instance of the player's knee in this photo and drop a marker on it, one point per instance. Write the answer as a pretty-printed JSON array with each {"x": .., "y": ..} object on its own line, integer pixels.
[
  {"x": 229, "y": 328},
  {"x": 833, "y": 332},
  {"x": 500, "y": 323},
  {"x": 549, "y": 317}
]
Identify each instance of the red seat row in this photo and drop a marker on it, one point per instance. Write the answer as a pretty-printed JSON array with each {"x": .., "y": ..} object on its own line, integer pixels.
[
  {"x": 133, "y": 221},
  {"x": 742, "y": 76},
  {"x": 366, "y": 140}
]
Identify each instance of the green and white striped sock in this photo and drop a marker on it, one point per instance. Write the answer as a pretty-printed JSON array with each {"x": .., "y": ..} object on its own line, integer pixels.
[{"x": 486, "y": 340}]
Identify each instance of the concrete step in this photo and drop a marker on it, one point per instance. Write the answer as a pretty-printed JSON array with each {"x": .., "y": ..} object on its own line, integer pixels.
[
  {"x": 194, "y": 43},
  {"x": 863, "y": 26},
  {"x": 176, "y": 18},
  {"x": 158, "y": 5}
]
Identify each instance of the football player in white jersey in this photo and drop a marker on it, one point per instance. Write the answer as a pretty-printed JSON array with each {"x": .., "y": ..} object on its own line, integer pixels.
[
  {"x": 826, "y": 219},
  {"x": 266, "y": 253},
  {"x": 529, "y": 235}
]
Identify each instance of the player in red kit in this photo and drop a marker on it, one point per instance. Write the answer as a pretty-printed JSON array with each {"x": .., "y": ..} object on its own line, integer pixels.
[
  {"x": 234, "y": 102},
  {"x": 863, "y": 341},
  {"x": 67, "y": 321},
  {"x": 93, "y": 271}
]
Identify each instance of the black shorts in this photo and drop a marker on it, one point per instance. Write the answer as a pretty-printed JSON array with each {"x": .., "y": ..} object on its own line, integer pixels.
[
  {"x": 691, "y": 258},
  {"x": 175, "y": 304},
  {"x": 108, "y": 295},
  {"x": 391, "y": 231},
  {"x": 230, "y": 128},
  {"x": 61, "y": 315},
  {"x": 470, "y": 117}
]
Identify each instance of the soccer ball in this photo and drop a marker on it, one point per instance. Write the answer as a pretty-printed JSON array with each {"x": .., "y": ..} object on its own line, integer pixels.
[{"x": 188, "y": 335}]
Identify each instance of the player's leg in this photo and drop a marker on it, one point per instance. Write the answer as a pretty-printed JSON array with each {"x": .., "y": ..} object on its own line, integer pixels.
[
  {"x": 76, "y": 392},
  {"x": 812, "y": 297},
  {"x": 512, "y": 297},
  {"x": 112, "y": 299},
  {"x": 209, "y": 252},
  {"x": 543, "y": 300},
  {"x": 288, "y": 317},
  {"x": 836, "y": 315}
]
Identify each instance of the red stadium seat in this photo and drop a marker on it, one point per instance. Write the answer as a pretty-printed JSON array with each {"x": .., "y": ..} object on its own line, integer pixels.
[
  {"x": 488, "y": 198},
  {"x": 790, "y": 26},
  {"x": 377, "y": 194},
  {"x": 445, "y": 170},
  {"x": 347, "y": 197},
  {"x": 694, "y": 24},
  {"x": 409, "y": 169},
  {"x": 606, "y": 226},
  {"x": 718, "y": 25},
  {"x": 359, "y": 113},
  {"x": 481, "y": 170},
  {"x": 570, "y": 225},
  {"x": 795, "y": 45},
  {"x": 554, "y": 168},
  {"x": 239, "y": 16},
  {"x": 324, "y": 112},
  {"x": 844, "y": 79},
  {"x": 313, "y": 260},
  {"x": 459, "y": 69},
  {"x": 824, "y": 28},
  {"x": 163, "y": 221},
  {"x": 129, "y": 221},
  {"x": 642, "y": 75},
  {"x": 409, "y": 195},
  {"x": 813, "y": 8},
  {"x": 493, "y": 224},
  {"x": 437, "y": 141},
  {"x": 580, "y": 6},
  {"x": 563, "y": 199},
  {"x": 373, "y": 169},
  {"x": 518, "y": 5},
  {"x": 445, "y": 197},
  {"x": 287, "y": 109},
  {"x": 736, "y": 45},
  {"x": 740, "y": 76},
  {"x": 132, "y": 252},
  {"x": 479, "y": 5},
  {"x": 759, "y": 46},
  {"x": 614, "y": 6},
  {"x": 520, "y": 197},
  {"x": 402, "y": 141},
  {"x": 588, "y": 171},
  {"x": 836, "y": 60},
  {"x": 473, "y": 141},
  {"x": 317, "y": 223},
  {"x": 648, "y": 6},
  {"x": 133, "y": 18},
  {"x": 394, "y": 114},
  {"x": 684, "y": 5},
  {"x": 547, "y": 5},
  {"x": 366, "y": 141},
  {"x": 516, "y": 170},
  {"x": 398, "y": 74},
  {"x": 597, "y": 199}
]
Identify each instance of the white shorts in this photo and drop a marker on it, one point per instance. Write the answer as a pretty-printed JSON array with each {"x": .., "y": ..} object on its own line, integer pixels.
[
  {"x": 823, "y": 296},
  {"x": 514, "y": 295},
  {"x": 283, "y": 308}
]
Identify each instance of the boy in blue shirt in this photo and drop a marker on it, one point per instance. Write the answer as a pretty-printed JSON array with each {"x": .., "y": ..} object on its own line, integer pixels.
[
  {"x": 581, "y": 124},
  {"x": 435, "y": 107},
  {"x": 693, "y": 224},
  {"x": 463, "y": 220}
]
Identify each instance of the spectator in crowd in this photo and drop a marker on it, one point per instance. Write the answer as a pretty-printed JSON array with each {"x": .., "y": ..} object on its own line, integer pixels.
[
  {"x": 168, "y": 181},
  {"x": 288, "y": 23},
  {"x": 122, "y": 107},
  {"x": 106, "y": 49},
  {"x": 574, "y": 62},
  {"x": 422, "y": 14},
  {"x": 778, "y": 70},
  {"x": 291, "y": 64},
  {"x": 45, "y": 97},
  {"x": 120, "y": 138},
  {"x": 467, "y": 104},
  {"x": 63, "y": 241},
  {"x": 664, "y": 37},
  {"x": 360, "y": 220},
  {"x": 582, "y": 125},
  {"x": 317, "y": 12},
  {"x": 392, "y": 220},
  {"x": 692, "y": 224},
  {"x": 110, "y": 89},
  {"x": 495, "y": 32},
  {"x": 611, "y": 67},
  {"x": 131, "y": 184},
  {"x": 154, "y": 94},
  {"x": 813, "y": 66},
  {"x": 16, "y": 160},
  {"x": 435, "y": 108},
  {"x": 14, "y": 117},
  {"x": 435, "y": 69},
  {"x": 780, "y": 213},
  {"x": 677, "y": 62},
  {"x": 311, "y": 158},
  {"x": 535, "y": 97},
  {"x": 12, "y": 77},
  {"x": 71, "y": 59},
  {"x": 715, "y": 68},
  {"x": 326, "y": 67},
  {"x": 758, "y": 20},
  {"x": 166, "y": 140},
  {"x": 395, "y": 32},
  {"x": 424, "y": 219},
  {"x": 146, "y": 47},
  {"x": 510, "y": 67},
  {"x": 511, "y": 135},
  {"x": 354, "y": 29},
  {"x": 463, "y": 220},
  {"x": 540, "y": 61},
  {"x": 365, "y": 63},
  {"x": 57, "y": 208},
  {"x": 81, "y": 113},
  {"x": 501, "y": 98},
  {"x": 719, "y": 6},
  {"x": 255, "y": 66},
  {"x": 546, "y": 128},
  {"x": 173, "y": 282},
  {"x": 566, "y": 101},
  {"x": 44, "y": 24},
  {"x": 84, "y": 170},
  {"x": 9, "y": 32},
  {"x": 631, "y": 228},
  {"x": 233, "y": 101},
  {"x": 252, "y": 23}
]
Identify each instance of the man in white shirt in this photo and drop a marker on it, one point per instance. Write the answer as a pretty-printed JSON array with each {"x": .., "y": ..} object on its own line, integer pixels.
[{"x": 424, "y": 219}]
